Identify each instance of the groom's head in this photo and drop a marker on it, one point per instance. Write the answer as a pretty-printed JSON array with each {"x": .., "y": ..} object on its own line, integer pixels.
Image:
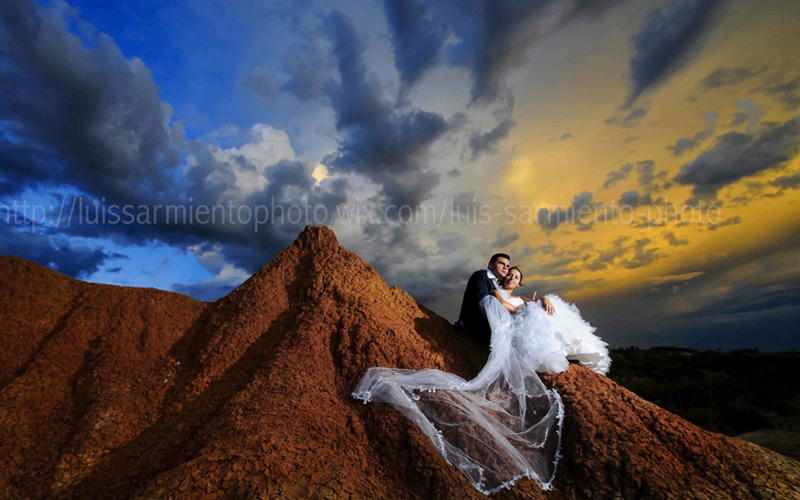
[{"x": 499, "y": 264}]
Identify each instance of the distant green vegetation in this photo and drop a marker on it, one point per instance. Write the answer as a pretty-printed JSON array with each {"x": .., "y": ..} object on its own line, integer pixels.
[{"x": 728, "y": 392}]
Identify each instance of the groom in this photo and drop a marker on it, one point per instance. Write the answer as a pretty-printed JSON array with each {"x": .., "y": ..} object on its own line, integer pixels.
[{"x": 472, "y": 320}]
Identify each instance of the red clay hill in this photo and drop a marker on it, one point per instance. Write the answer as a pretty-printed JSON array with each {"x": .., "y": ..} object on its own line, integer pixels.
[{"x": 117, "y": 392}]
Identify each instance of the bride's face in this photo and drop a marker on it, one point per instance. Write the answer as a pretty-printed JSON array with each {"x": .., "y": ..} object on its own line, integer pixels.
[{"x": 512, "y": 279}]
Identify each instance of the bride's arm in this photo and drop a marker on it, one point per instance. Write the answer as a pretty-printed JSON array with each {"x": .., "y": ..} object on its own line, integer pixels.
[
  {"x": 507, "y": 305},
  {"x": 546, "y": 304}
]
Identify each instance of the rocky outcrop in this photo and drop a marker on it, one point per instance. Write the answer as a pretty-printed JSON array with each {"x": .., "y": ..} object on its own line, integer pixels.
[{"x": 122, "y": 392}]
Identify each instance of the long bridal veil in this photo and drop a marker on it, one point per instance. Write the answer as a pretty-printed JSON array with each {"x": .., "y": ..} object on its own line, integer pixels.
[{"x": 501, "y": 425}]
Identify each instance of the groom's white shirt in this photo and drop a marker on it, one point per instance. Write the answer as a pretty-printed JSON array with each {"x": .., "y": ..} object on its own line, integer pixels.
[{"x": 492, "y": 277}]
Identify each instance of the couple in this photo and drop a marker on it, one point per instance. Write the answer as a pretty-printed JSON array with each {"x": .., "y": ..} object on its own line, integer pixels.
[
  {"x": 550, "y": 339},
  {"x": 503, "y": 424}
]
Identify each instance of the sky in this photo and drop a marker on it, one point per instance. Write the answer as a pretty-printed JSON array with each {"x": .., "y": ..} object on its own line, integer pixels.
[{"x": 637, "y": 158}]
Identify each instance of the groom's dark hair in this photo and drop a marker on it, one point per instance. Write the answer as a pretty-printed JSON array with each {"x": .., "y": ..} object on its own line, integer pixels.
[{"x": 497, "y": 256}]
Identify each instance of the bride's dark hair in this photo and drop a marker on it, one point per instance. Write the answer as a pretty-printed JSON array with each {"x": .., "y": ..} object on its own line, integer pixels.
[{"x": 518, "y": 270}]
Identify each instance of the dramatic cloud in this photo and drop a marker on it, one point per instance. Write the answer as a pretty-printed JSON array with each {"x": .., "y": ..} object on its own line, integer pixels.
[
  {"x": 86, "y": 117},
  {"x": 417, "y": 37},
  {"x": 488, "y": 37},
  {"x": 737, "y": 155},
  {"x": 261, "y": 84},
  {"x": 485, "y": 143},
  {"x": 581, "y": 210},
  {"x": 749, "y": 113},
  {"x": 622, "y": 253},
  {"x": 674, "y": 240},
  {"x": 617, "y": 175},
  {"x": 309, "y": 72},
  {"x": 504, "y": 238},
  {"x": 786, "y": 182},
  {"x": 81, "y": 117},
  {"x": 689, "y": 143},
  {"x": 627, "y": 119},
  {"x": 722, "y": 76},
  {"x": 645, "y": 171},
  {"x": 608, "y": 256},
  {"x": 786, "y": 92},
  {"x": 449, "y": 241},
  {"x": 386, "y": 145},
  {"x": 634, "y": 199},
  {"x": 53, "y": 251},
  {"x": 673, "y": 278},
  {"x": 727, "y": 222},
  {"x": 642, "y": 255},
  {"x": 670, "y": 35}
]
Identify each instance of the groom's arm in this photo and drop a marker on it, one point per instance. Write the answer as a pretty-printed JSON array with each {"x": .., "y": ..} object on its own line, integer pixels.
[{"x": 483, "y": 285}]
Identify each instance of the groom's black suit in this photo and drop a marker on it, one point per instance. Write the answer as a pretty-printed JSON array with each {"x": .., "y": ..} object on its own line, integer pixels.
[{"x": 471, "y": 320}]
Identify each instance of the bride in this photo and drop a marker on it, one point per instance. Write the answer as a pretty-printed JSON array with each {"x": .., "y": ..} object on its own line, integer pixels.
[
  {"x": 550, "y": 339},
  {"x": 504, "y": 423}
]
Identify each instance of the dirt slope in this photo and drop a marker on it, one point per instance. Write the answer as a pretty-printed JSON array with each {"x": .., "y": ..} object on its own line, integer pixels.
[{"x": 125, "y": 392}]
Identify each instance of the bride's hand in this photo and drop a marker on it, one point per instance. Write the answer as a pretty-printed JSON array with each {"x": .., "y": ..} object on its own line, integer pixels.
[{"x": 548, "y": 306}]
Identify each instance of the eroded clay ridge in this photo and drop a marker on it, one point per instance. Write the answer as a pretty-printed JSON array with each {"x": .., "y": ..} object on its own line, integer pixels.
[{"x": 118, "y": 392}]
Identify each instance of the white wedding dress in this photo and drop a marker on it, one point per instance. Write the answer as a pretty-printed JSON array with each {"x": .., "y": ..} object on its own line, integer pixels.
[
  {"x": 550, "y": 341},
  {"x": 501, "y": 425},
  {"x": 504, "y": 423}
]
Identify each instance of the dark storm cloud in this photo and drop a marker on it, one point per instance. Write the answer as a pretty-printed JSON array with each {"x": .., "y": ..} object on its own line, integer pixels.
[
  {"x": 404, "y": 242},
  {"x": 727, "y": 222},
  {"x": 488, "y": 37},
  {"x": 417, "y": 37},
  {"x": 95, "y": 111},
  {"x": 581, "y": 209},
  {"x": 504, "y": 239},
  {"x": 689, "y": 143},
  {"x": 308, "y": 71},
  {"x": 290, "y": 183},
  {"x": 634, "y": 199},
  {"x": 737, "y": 155},
  {"x": 674, "y": 240},
  {"x": 647, "y": 176},
  {"x": 645, "y": 171},
  {"x": 449, "y": 242},
  {"x": 723, "y": 76},
  {"x": 786, "y": 182},
  {"x": 607, "y": 257},
  {"x": 485, "y": 143},
  {"x": 762, "y": 294},
  {"x": 622, "y": 253},
  {"x": 384, "y": 144},
  {"x": 55, "y": 252},
  {"x": 670, "y": 36},
  {"x": 749, "y": 113},
  {"x": 261, "y": 84},
  {"x": 627, "y": 119},
  {"x": 642, "y": 255},
  {"x": 787, "y": 92},
  {"x": 465, "y": 204},
  {"x": 617, "y": 175},
  {"x": 78, "y": 115}
]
